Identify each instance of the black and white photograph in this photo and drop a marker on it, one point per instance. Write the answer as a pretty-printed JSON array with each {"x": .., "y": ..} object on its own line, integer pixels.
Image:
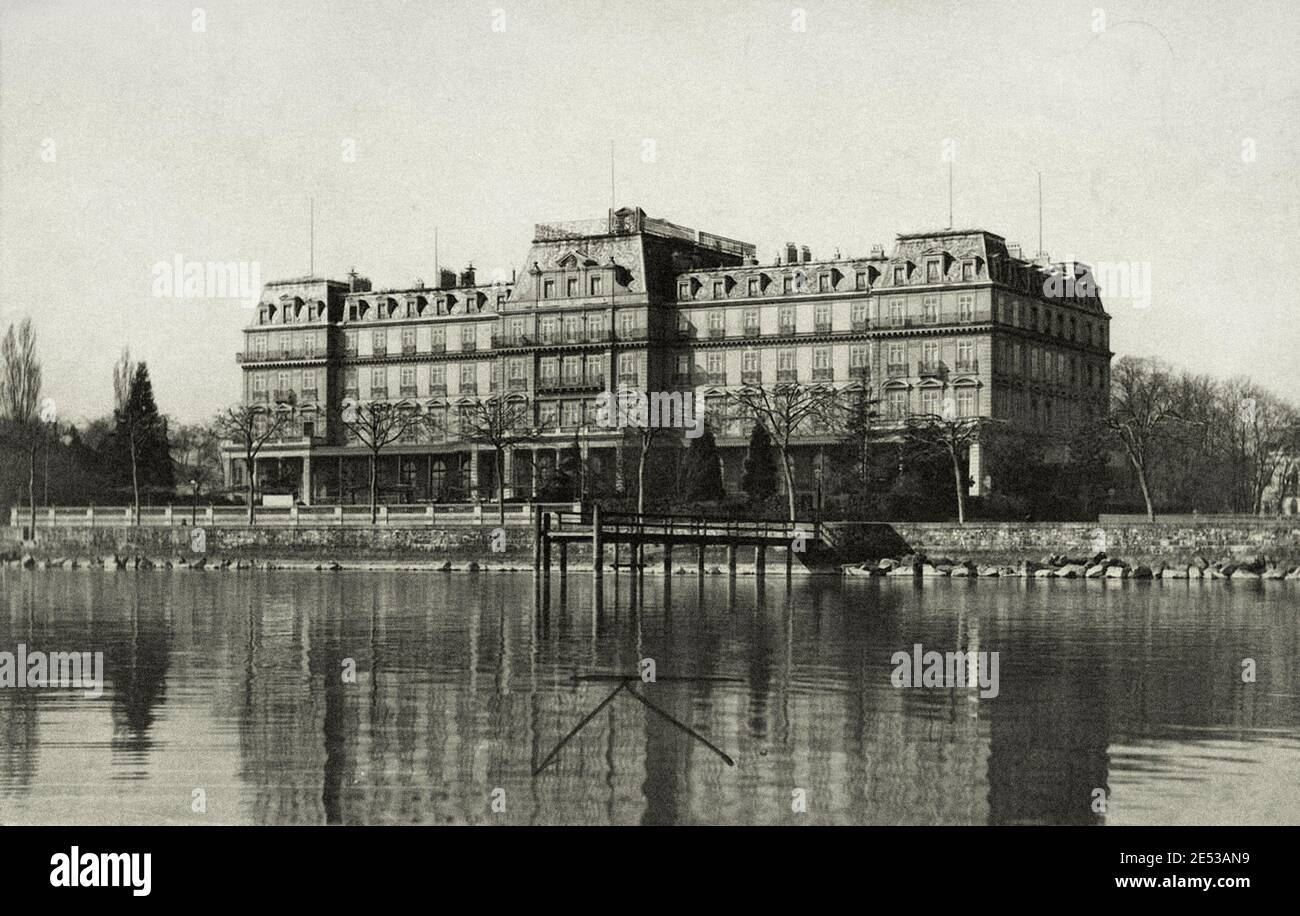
[{"x": 598, "y": 413}]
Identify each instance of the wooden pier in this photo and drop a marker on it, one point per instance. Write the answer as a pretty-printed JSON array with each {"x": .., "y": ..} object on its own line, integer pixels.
[{"x": 560, "y": 529}]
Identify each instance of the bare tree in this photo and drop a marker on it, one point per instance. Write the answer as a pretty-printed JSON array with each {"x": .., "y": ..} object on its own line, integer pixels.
[
  {"x": 377, "y": 425},
  {"x": 250, "y": 427},
  {"x": 954, "y": 435},
  {"x": 790, "y": 411},
  {"x": 503, "y": 423},
  {"x": 1142, "y": 408},
  {"x": 20, "y": 392}
]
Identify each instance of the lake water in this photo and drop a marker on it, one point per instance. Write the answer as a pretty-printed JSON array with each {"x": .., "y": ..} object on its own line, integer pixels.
[{"x": 230, "y": 693}]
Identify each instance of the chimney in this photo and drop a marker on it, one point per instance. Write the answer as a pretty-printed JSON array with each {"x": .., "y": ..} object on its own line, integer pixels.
[
  {"x": 467, "y": 276},
  {"x": 806, "y": 253},
  {"x": 791, "y": 253},
  {"x": 446, "y": 279},
  {"x": 1013, "y": 249},
  {"x": 877, "y": 251}
]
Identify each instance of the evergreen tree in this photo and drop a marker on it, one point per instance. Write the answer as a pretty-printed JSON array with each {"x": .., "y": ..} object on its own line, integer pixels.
[
  {"x": 759, "y": 482},
  {"x": 702, "y": 470},
  {"x": 140, "y": 454}
]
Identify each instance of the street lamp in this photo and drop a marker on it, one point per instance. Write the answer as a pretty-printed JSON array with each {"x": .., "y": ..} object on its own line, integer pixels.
[{"x": 194, "y": 507}]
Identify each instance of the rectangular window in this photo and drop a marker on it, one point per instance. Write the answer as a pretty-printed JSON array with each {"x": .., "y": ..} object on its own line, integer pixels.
[
  {"x": 968, "y": 270},
  {"x": 900, "y": 275},
  {"x": 572, "y": 369},
  {"x": 822, "y": 318},
  {"x": 858, "y": 356},
  {"x": 408, "y": 380},
  {"x": 824, "y": 283},
  {"x": 932, "y": 271},
  {"x": 966, "y": 402},
  {"x": 896, "y": 311},
  {"x": 378, "y": 380},
  {"x": 897, "y": 401},
  {"x": 596, "y": 285},
  {"x": 571, "y": 287},
  {"x": 718, "y": 288},
  {"x": 379, "y": 342},
  {"x": 787, "y": 284},
  {"x": 309, "y": 381},
  {"x": 860, "y": 281},
  {"x": 572, "y": 415},
  {"x": 715, "y": 368},
  {"x": 966, "y": 308},
  {"x": 716, "y": 322},
  {"x": 468, "y": 337},
  {"x": 930, "y": 309},
  {"x": 684, "y": 289},
  {"x": 408, "y": 340},
  {"x": 548, "y": 414},
  {"x": 549, "y": 369},
  {"x": 468, "y": 377},
  {"x": 965, "y": 355},
  {"x": 548, "y": 289},
  {"x": 753, "y": 286},
  {"x": 785, "y": 359},
  {"x": 930, "y": 401}
]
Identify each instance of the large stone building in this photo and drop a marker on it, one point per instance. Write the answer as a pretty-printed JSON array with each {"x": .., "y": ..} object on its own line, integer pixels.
[{"x": 950, "y": 321}]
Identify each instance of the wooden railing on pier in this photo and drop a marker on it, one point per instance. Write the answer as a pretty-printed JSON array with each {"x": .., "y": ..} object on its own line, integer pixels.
[{"x": 560, "y": 529}]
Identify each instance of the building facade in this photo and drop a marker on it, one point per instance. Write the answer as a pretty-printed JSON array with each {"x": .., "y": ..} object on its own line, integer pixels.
[{"x": 950, "y": 323}]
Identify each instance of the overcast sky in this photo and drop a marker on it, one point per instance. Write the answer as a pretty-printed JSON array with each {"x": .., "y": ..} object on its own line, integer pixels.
[{"x": 1166, "y": 134}]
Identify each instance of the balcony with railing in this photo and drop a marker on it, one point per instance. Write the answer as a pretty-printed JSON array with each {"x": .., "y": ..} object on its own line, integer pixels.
[
  {"x": 285, "y": 396},
  {"x": 261, "y": 396},
  {"x": 786, "y": 330},
  {"x": 379, "y": 350},
  {"x": 468, "y": 346},
  {"x": 931, "y": 369},
  {"x": 572, "y": 382},
  {"x": 752, "y": 377},
  {"x": 632, "y": 334},
  {"x": 967, "y": 365},
  {"x": 896, "y": 370},
  {"x": 469, "y": 387},
  {"x": 715, "y": 378},
  {"x": 822, "y": 327},
  {"x": 823, "y": 375},
  {"x": 438, "y": 346},
  {"x": 629, "y": 381},
  {"x": 378, "y": 393},
  {"x": 717, "y": 333},
  {"x": 408, "y": 349},
  {"x": 752, "y": 330},
  {"x": 860, "y": 324},
  {"x": 517, "y": 384},
  {"x": 860, "y": 372},
  {"x": 409, "y": 391},
  {"x": 787, "y": 375},
  {"x": 438, "y": 389}
]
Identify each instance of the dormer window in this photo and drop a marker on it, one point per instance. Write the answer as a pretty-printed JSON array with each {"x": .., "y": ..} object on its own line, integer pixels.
[
  {"x": 548, "y": 289},
  {"x": 933, "y": 271},
  {"x": 753, "y": 286},
  {"x": 900, "y": 275},
  {"x": 596, "y": 285},
  {"x": 968, "y": 270},
  {"x": 571, "y": 287},
  {"x": 684, "y": 289},
  {"x": 718, "y": 289},
  {"x": 860, "y": 281},
  {"x": 824, "y": 283}
]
